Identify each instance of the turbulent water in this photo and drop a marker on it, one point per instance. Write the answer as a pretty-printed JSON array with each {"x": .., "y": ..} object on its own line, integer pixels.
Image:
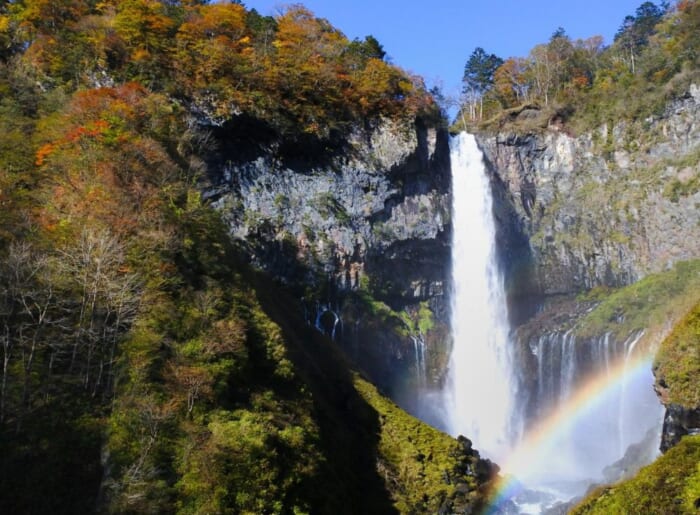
[
  {"x": 480, "y": 397},
  {"x": 479, "y": 389}
]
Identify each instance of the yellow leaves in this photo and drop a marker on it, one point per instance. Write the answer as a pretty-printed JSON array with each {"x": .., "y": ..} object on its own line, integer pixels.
[
  {"x": 102, "y": 7},
  {"x": 4, "y": 23},
  {"x": 140, "y": 55},
  {"x": 215, "y": 20},
  {"x": 227, "y": 19},
  {"x": 144, "y": 24}
]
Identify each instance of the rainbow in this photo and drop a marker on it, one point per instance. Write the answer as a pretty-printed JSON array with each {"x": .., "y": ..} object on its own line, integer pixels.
[{"x": 539, "y": 440}]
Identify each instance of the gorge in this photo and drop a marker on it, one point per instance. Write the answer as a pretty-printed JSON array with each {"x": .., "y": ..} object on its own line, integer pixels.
[
  {"x": 558, "y": 433},
  {"x": 248, "y": 265},
  {"x": 383, "y": 253}
]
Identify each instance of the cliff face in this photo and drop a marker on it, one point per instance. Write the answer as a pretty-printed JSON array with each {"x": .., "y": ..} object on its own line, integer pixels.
[
  {"x": 606, "y": 208},
  {"x": 609, "y": 206},
  {"x": 367, "y": 215}
]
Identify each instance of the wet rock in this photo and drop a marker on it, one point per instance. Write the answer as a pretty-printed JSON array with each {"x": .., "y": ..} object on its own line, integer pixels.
[
  {"x": 678, "y": 422},
  {"x": 635, "y": 457}
]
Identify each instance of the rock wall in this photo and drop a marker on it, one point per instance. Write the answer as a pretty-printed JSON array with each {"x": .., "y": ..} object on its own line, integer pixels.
[
  {"x": 369, "y": 212},
  {"x": 606, "y": 207}
]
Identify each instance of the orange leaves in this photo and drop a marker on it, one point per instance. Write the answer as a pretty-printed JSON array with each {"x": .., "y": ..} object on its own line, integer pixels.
[
  {"x": 214, "y": 20},
  {"x": 92, "y": 130},
  {"x": 103, "y": 167},
  {"x": 122, "y": 102},
  {"x": 214, "y": 51},
  {"x": 580, "y": 82},
  {"x": 510, "y": 81},
  {"x": 380, "y": 87},
  {"x": 43, "y": 152},
  {"x": 297, "y": 72}
]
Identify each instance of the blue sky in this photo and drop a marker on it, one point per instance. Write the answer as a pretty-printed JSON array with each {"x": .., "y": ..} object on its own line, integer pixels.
[{"x": 435, "y": 38}]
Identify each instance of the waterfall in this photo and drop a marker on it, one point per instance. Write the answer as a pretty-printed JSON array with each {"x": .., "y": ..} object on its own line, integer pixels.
[
  {"x": 419, "y": 350},
  {"x": 327, "y": 320},
  {"x": 596, "y": 439},
  {"x": 478, "y": 388},
  {"x": 622, "y": 415}
]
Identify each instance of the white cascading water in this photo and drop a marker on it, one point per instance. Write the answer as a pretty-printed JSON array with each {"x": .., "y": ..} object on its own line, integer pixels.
[
  {"x": 627, "y": 413},
  {"x": 479, "y": 397},
  {"x": 478, "y": 390}
]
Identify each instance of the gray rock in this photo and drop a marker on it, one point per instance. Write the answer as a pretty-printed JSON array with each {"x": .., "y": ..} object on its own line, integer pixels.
[
  {"x": 606, "y": 207},
  {"x": 679, "y": 422},
  {"x": 382, "y": 207}
]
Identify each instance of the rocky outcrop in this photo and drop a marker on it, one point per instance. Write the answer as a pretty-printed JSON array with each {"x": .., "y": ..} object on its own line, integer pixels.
[
  {"x": 606, "y": 207},
  {"x": 676, "y": 368},
  {"x": 679, "y": 422},
  {"x": 377, "y": 207},
  {"x": 369, "y": 212}
]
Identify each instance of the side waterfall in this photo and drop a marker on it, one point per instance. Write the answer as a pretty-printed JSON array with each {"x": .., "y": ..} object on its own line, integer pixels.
[
  {"x": 620, "y": 417},
  {"x": 479, "y": 389}
]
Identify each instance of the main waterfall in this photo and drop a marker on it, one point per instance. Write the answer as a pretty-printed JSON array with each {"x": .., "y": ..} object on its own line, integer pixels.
[
  {"x": 585, "y": 411},
  {"x": 479, "y": 389}
]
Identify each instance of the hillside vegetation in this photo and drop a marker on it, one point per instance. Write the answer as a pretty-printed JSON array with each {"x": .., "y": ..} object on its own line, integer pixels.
[
  {"x": 653, "y": 303},
  {"x": 677, "y": 366},
  {"x": 670, "y": 485},
  {"x": 145, "y": 367},
  {"x": 582, "y": 84}
]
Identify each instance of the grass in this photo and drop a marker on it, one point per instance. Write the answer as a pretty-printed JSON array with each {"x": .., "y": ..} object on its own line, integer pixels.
[{"x": 669, "y": 486}]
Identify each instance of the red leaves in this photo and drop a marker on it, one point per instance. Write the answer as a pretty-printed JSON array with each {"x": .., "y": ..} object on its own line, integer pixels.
[{"x": 102, "y": 166}]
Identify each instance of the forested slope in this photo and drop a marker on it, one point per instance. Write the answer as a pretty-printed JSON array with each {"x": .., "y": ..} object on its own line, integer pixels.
[
  {"x": 145, "y": 366},
  {"x": 579, "y": 85}
]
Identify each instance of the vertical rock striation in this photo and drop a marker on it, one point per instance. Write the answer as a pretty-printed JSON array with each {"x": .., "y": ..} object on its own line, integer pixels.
[
  {"x": 367, "y": 214},
  {"x": 606, "y": 207}
]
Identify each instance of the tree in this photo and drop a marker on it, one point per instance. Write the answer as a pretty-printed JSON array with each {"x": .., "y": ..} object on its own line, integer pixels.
[
  {"x": 510, "y": 83},
  {"x": 359, "y": 52},
  {"x": 146, "y": 30},
  {"x": 635, "y": 30},
  {"x": 214, "y": 54},
  {"x": 478, "y": 77}
]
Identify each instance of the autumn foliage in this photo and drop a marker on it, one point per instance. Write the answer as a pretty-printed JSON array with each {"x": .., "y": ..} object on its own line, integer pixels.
[
  {"x": 653, "y": 57},
  {"x": 130, "y": 328},
  {"x": 295, "y": 71}
]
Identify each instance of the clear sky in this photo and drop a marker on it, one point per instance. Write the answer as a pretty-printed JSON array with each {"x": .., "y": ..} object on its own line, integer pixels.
[{"x": 435, "y": 38}]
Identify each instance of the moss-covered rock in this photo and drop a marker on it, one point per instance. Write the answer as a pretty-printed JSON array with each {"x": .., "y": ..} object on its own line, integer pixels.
[
  {"x": 650, "y": 303},
  {"x": 677, "y": 365},
  {"x": 670, "y": 485},
  {"x": 426, "y": 470}
]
